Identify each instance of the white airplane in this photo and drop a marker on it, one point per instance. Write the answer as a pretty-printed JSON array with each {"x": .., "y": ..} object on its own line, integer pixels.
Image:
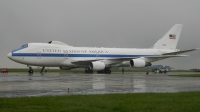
[{"x": 58, "y": 54}]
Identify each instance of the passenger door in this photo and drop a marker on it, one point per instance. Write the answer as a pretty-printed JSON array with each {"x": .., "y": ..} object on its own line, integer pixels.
[
  {"x": 39, "y": 55},
  {"x": 66, "y": 55}
]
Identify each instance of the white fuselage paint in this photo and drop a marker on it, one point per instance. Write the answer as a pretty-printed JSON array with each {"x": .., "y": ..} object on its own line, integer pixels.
[{"x": 52, "y": 55}]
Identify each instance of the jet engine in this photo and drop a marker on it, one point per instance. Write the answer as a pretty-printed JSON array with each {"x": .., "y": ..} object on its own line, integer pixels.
[
  {"x": 97, "y": 65},
  {"x": 139, "y": 63}
]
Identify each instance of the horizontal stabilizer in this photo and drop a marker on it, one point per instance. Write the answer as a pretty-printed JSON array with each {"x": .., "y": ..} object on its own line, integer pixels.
[{"x": 180, "y": 52}]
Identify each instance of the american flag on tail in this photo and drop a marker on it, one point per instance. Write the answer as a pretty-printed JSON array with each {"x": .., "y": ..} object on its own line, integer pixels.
[{"x": 172, "y": 36}]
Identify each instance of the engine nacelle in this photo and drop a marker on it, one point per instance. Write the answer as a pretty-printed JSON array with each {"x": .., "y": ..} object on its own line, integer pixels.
[
  {"x": 97, "y": 65},
  {"x": 66, "y": 68},
  {"x": 137, "y": 63}
]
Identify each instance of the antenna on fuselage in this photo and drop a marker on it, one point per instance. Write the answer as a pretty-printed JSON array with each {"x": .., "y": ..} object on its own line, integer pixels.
[{"x": 49, "y": 42}]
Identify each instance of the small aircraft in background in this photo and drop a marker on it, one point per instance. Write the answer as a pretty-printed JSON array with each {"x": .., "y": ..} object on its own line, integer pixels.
[{"x": 66, "y": 57}]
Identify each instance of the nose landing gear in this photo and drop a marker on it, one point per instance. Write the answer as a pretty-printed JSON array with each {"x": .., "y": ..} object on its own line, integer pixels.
[
  {"x": 106, "y": 71},
  {"x": 30, "y": 70}
]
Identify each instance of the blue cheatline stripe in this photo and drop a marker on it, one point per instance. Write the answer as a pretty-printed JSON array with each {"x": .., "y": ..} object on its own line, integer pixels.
[{"x": 75, "y": 55}]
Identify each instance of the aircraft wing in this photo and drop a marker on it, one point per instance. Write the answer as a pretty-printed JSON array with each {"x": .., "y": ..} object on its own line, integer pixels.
[
  {"x": 180, "y": 52},
  {"x": 84, "y": 61},
  {"x": 156, "y": 58},
  {"x": 115, "y": 60}
]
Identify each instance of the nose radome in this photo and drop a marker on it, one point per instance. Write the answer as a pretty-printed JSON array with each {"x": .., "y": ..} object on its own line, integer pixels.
[{"x": 9, "y": 55}]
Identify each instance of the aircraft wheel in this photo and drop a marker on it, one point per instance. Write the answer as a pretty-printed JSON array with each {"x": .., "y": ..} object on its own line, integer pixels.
[
  {"x": 30, "y": 71},
  {"x": 88, "y": 70},
  {"x": 106, "y": 71},
  {"x": 109, "y": 71}
]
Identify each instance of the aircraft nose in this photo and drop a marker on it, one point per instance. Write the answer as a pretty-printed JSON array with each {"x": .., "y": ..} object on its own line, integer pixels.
[{"x": 9, "y": 55}]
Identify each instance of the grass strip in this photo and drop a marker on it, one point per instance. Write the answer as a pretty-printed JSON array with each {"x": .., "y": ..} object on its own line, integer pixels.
[
  {"x": 144, "y": 102},
  {"x": 187, "y": 75}
]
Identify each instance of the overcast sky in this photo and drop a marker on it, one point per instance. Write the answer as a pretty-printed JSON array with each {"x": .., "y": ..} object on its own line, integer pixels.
[{"x": 101, "y": 23}]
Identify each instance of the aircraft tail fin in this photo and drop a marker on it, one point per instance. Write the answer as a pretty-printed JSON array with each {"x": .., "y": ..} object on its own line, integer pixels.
[{"x": 170, "y": 39}]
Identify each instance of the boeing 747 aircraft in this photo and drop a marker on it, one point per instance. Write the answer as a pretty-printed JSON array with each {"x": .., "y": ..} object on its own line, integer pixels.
[{"x": 66, "y": 57}]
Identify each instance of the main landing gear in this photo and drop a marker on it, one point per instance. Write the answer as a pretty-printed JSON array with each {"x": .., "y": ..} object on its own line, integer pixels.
[
  {"x": 42, "y": 69},
  {"x": 106, "y": 71},
  {"x": 31, "y": 70},
  {"x": 88, "y": 70}
]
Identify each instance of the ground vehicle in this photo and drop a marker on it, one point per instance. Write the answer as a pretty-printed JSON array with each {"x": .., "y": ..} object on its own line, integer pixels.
[
  {"x": 4, "y": 70},
  {"x": 161, "y": 70},
  {"x": 197, "y": 70}
]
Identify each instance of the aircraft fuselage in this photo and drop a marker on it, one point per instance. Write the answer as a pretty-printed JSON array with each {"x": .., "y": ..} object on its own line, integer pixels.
[{"x": 44, "y": 54}]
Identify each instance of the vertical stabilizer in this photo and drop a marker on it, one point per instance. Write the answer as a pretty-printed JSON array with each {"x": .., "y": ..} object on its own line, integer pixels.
[{"x": 170, "y": 39}]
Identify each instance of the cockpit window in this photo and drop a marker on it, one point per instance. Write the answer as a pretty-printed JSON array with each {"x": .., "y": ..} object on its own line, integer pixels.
[{"x": 24, "y": 46}]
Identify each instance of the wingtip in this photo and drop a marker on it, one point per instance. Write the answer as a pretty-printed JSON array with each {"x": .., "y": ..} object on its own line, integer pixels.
[{"x": 179, "y": 24}]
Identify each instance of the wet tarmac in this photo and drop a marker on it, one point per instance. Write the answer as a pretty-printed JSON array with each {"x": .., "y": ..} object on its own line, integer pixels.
[{"x": 24, "y": 84}]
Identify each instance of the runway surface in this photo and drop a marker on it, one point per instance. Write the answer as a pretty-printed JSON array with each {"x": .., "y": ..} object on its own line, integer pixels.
[{"x": 24, "y": 84}]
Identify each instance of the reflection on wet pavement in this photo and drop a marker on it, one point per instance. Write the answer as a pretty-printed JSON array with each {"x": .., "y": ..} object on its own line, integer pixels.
[{"x": 24, "y": 84}]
